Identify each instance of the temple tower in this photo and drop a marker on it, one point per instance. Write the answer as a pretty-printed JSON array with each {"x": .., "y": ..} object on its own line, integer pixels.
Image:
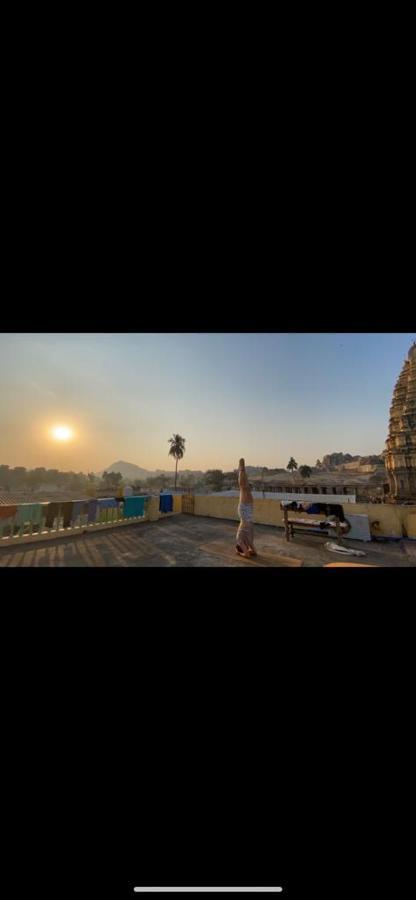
[{"x": 400, "y": 457}]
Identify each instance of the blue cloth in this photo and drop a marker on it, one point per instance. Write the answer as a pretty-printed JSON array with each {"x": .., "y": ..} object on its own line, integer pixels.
[
  {"x": 80, "y": 508},
  {"x": 107, "y": 503},
  {"x": 92, "y": 511},
  {"x": 166, "y": 503},
  {"x": 314, "y": 509},
  {"x": 134, "y": 506}
]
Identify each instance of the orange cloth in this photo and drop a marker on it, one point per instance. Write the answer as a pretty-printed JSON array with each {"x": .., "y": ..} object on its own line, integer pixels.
[{"x": 6, "y": 512}]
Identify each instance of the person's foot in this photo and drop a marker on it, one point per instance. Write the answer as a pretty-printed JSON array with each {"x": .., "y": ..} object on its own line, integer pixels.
[{"x": 252, "y": 552}]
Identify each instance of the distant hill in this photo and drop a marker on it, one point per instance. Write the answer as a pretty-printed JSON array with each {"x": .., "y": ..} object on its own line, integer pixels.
[
  {"x": 135, "y": 473},
  {"x": 336, "y": 460},
  {"x": 127, "y": 470}
]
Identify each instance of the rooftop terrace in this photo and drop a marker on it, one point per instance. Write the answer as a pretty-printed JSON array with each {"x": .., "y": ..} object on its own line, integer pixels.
[{"x": 191, "y": 541}]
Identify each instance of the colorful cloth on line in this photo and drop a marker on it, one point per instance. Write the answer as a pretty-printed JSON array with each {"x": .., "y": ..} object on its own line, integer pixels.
[
  {"x": 7, "y": 512},
  {"x": 80, "y": 508},
  {"x": 134, "y": 506},
  {"x": 56, "y": 510},
  {"x": 29, "y": 513},
  {"x": 166, "y": 503},
  {"x": 105, "y": 507},
  {"x": 92, "y": 511},
  {"x": 107, "y": 503},
  {"x": 51, "y": 513},
  {"x": 66, "y": 509}
]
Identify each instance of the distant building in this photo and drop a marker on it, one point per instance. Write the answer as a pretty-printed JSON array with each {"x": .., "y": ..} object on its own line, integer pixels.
[{"x": 325, "y": 483}]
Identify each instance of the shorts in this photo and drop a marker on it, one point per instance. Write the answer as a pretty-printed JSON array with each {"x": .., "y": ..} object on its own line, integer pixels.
[{"x": 245, "y": 512}]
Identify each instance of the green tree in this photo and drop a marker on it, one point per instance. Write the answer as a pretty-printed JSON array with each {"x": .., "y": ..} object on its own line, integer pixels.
[
  {"x": 214, "y": 479},
  {"x": 177, "y": 450},
  {"x": 305, "y": 471},
  {"x": 91, "y": 477},
  {"x": 34, "y": 479},
  {"x": 112, "y": 480},
  {"x": 188, "y": 480},
  {"x": 292, "y": 464},
  {"x": 18, "y": 476},
  {"x": 157, "y": 482},
  {"x": 5, "y": 476},
  {"x": 77, "y": 481},
  {"x": 52, "y": 476}
]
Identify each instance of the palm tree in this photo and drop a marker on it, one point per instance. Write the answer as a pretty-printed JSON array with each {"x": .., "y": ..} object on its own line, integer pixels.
[
  {"x": 305, "y": 471},
  {"x": 291, "y": 466},
  {"x": 177, "y": 450}
]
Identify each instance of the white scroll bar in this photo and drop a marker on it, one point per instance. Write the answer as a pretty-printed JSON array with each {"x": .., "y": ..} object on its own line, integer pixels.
[{"x": 209, "y": 890}]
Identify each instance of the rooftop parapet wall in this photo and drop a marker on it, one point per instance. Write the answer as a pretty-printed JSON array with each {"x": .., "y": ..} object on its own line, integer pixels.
[
  {"x": 393, "y": 521},
  {"x": 21, "y": 530}
]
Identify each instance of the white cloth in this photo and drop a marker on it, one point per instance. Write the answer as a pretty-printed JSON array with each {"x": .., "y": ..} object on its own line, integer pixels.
[
  {"x": 345, "y": 551},
  {"x": 246, "y": 512}
]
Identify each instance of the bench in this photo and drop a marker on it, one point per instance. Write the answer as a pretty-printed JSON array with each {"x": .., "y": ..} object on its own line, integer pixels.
[{"x": 314, "y": 524}]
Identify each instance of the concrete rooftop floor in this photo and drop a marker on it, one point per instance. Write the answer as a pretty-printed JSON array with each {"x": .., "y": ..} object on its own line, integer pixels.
[{"x": 176, "y": 541}]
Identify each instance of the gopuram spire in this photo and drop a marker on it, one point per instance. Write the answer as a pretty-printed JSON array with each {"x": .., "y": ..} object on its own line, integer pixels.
[{"x": 400, "y": 457}]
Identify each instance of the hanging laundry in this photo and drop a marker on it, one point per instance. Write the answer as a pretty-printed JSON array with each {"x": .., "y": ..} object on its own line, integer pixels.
[
  {"x": 80, "y": 508},
  {"x": 92, "y": 511},
  {"x": 134, "y": 506},
  {"x": 105, "y": 504},
  {"x": 7, "y": 512},
  {"x": 67, "y": 508},
  {"x": 7, "y": 516},
  {"x": 29, "y": 513},
  {"x": 166, "y": 503},
  {"x": 51, "y": 513}
]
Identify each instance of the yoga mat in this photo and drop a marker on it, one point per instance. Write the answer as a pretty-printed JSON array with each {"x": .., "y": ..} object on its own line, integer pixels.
[
  {"x": 348, "y": 565},
  {"x": 227, "y": 549}
]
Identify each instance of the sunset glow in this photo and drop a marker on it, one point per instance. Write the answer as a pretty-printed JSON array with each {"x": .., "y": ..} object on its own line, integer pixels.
[{"x": 62, "y": 433}]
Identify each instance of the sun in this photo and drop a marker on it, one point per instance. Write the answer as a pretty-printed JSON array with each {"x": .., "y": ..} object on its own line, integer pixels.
[{"x": 62, "y": 433}]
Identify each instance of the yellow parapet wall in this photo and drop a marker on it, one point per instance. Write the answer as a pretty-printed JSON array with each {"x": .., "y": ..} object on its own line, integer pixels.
[
  {"x": 386, "y": 520},
  {"x": 177, "y": 503},
  {"x": 411, "y": 523}
]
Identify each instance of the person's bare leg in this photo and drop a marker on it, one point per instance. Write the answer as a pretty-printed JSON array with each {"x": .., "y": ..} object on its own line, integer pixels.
[{"x": 245, "y": 492}]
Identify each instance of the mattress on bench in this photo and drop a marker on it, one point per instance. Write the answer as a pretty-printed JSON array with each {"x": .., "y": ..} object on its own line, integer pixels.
[{"x": 316, "y": 521}]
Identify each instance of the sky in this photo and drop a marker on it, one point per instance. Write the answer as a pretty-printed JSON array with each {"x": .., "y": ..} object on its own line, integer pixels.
[{"x": 259, "y": 395}]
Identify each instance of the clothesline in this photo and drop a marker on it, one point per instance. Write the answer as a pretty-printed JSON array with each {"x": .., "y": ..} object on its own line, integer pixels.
[{"x": 69, "y": 513}]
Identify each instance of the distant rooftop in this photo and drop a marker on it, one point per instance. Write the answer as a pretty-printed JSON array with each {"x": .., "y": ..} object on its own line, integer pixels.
[
  {"x": 11, "y": 498},
  {"x": 341, "y": 478}
]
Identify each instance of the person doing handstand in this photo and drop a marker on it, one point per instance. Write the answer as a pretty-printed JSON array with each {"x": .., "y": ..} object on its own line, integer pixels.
[{"x": 245, "y": 534}]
